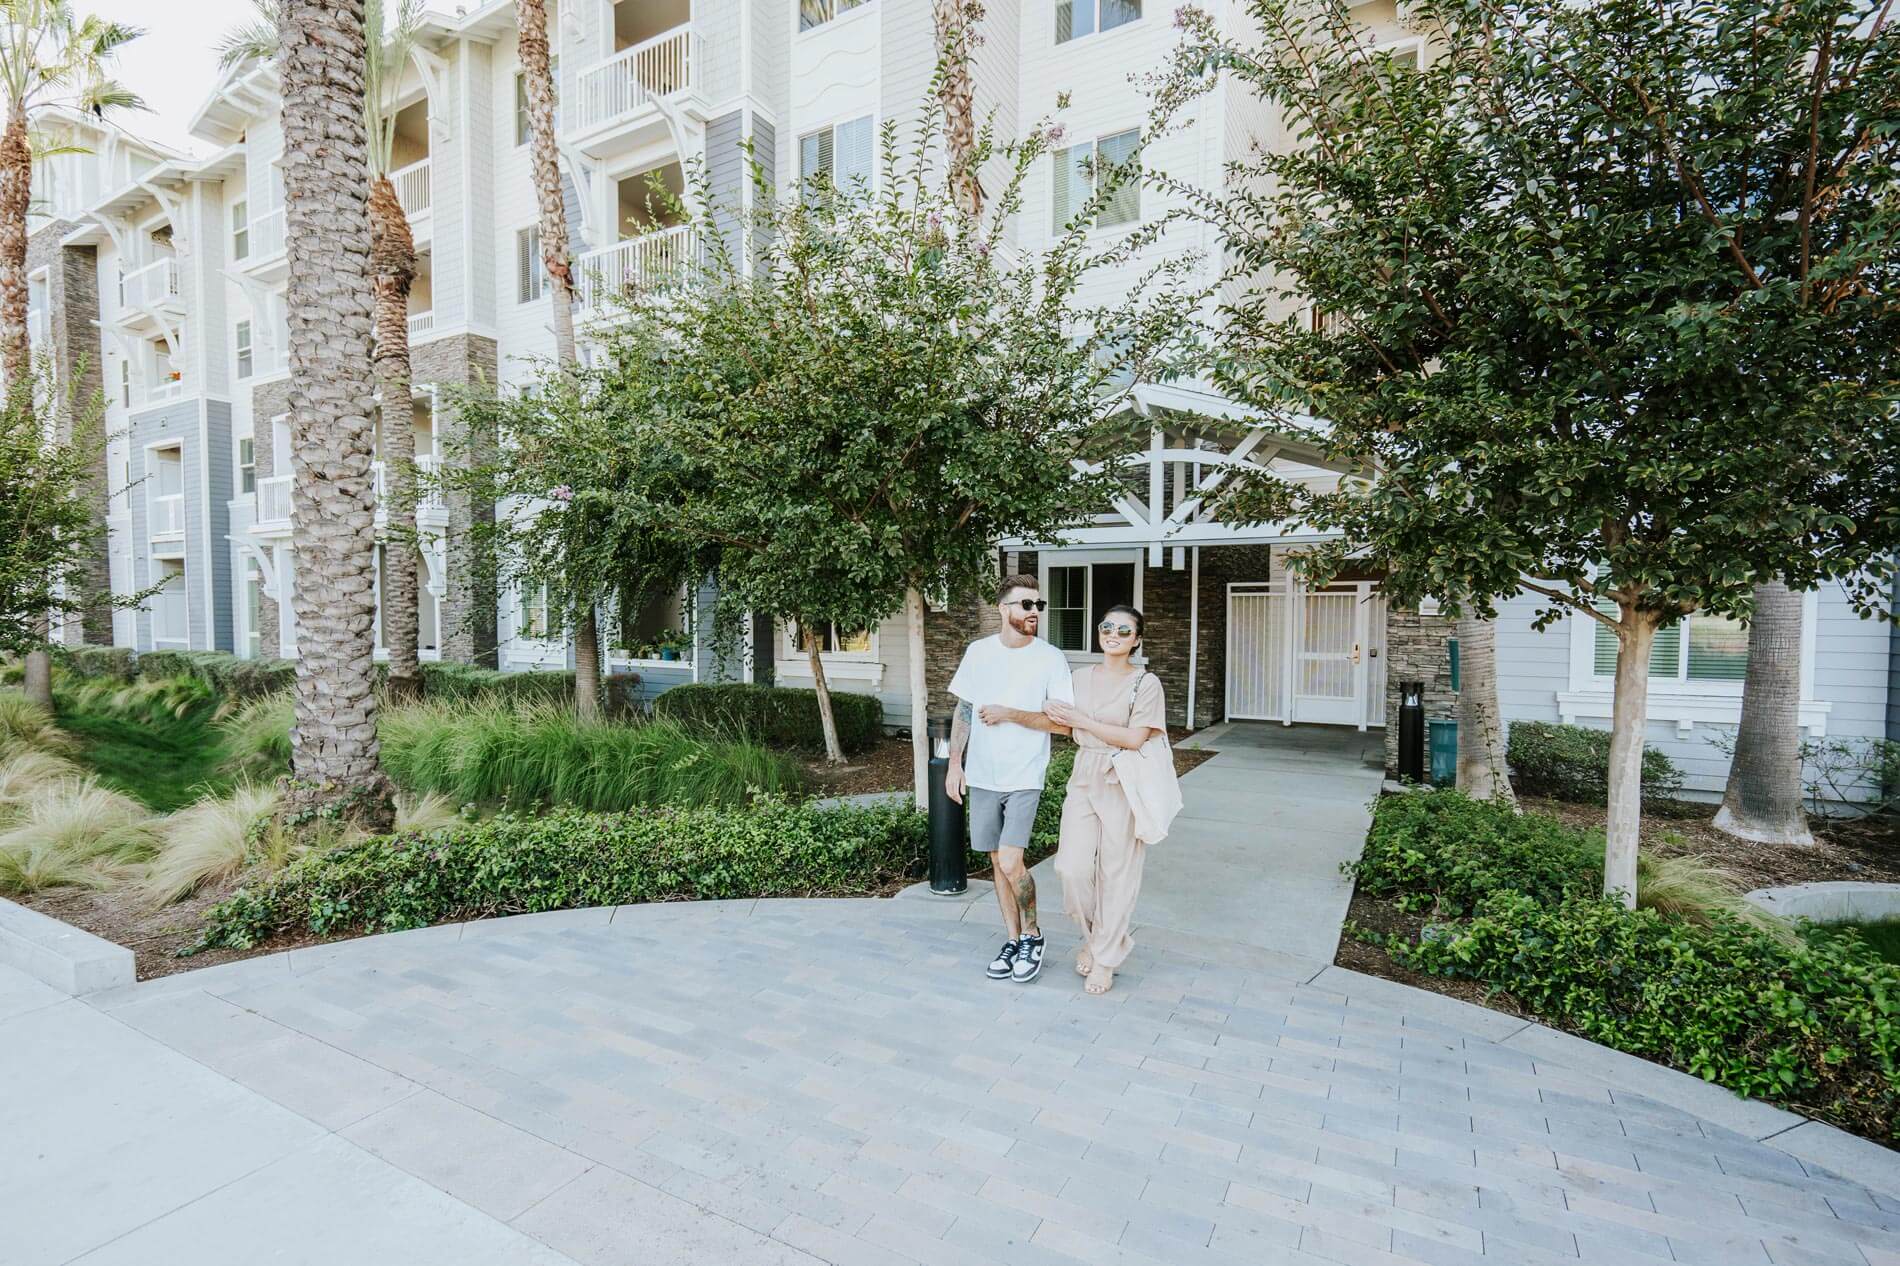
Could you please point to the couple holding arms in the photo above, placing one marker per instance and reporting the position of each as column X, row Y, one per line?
column 1014, row 690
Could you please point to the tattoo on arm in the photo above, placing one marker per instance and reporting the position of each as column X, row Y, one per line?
column 1026, row 901
column 960, row 729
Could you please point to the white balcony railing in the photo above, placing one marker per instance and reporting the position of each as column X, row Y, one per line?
column 166, row 388
column 152, row 285
column 273, row 499
column 634, row 76
column 267, row 237
column 168, row 516
column 412, row 188
column 420, row 323
column 429, row 496
column 647, row 262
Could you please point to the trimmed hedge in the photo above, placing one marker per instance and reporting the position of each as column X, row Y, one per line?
column 517, row 865
column 1813, row 1025
column 775, row 715
column 85, row 663
column 464, row 681
column 1572, row 762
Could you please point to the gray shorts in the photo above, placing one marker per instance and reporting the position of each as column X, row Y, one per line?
column 1001, row 818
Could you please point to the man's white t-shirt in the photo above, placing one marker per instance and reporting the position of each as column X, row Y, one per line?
column 1009, row 757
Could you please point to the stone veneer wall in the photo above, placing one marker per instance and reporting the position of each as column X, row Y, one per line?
column 1415, row 651
column 468, row 607
column 72, row 310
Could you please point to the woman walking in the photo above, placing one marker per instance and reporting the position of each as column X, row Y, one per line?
column 1120, row 798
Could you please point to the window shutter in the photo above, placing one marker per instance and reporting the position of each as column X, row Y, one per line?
column 854, row 149
column 528, row 265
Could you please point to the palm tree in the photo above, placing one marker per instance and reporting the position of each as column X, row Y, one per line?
column 334, row 755
column 393, row 260
column 1762, row 801
column 47, row 58
column 1481, row 737
column 537, row 76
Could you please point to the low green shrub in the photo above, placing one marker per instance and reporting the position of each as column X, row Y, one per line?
column 1572, row 762
column 775, row 715
column 1812, row 1025
column 228, row 676
column 254, row 741
column 464, row 681
column 83, row 662
column 519, row 864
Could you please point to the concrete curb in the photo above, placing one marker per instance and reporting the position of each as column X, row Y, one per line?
column 72, row 961
column 1815, row 1143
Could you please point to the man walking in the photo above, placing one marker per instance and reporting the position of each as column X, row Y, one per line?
column 1001, row 687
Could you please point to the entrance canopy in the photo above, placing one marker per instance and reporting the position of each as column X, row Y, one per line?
column 1198, row 441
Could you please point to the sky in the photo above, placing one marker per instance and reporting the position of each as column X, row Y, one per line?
column 174, row 64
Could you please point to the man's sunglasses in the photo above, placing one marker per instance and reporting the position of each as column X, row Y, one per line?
column 1114, row 630
column 1030, row 604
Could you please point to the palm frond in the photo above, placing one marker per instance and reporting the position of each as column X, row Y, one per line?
column 384, row 63
column 255, row 40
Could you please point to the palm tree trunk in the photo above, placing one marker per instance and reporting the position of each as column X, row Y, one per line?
column 1635, row 638
column 956, row 36
column 1763, row 799
column 16, row 355
column 531, row 21
column 1481, row 769
column 334, row 758
column 834, row 751
column 393, row 254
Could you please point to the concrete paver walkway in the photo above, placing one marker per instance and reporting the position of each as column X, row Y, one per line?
column 811, row 1081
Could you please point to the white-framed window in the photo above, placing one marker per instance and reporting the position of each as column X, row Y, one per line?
column 247, row 466
column 253, row 609
column 815, row 13
column 524, row 128
column 859, row 644
column 1701, row 647
column 240, row 230
column 1075, row 171
column 1076, row 18
column 840, row 155
column 245, row 361
column 531, row 612
column 529, row 274
column 125, row 383
column 1079, row 589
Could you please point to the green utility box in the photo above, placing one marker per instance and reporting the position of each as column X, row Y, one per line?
column 1444, row 750
column 1451, row 646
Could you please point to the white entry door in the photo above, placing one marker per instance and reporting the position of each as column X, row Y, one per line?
column 1313, row 656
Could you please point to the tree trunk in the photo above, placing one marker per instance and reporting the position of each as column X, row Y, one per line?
column 16, row 196
column 393, row 253
column 919, row 699
column 956, row 38
column 1481, row 769
column 1763, row 799
column 38, row 683
column 334, row 754
column 587, row 665
column 531, row 19
column 1635, row 636
column 834, row 751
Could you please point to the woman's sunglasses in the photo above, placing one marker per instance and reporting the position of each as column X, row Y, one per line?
column 1114, row 630
column 1030, row 604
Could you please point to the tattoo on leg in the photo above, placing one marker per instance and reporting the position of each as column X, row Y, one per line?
column 1026, row 901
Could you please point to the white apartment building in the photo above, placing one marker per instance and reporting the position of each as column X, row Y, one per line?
column 186, row 260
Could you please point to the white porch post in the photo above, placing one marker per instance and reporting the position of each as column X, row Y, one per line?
column 1194, row 629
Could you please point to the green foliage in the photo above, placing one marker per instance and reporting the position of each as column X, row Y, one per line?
column 1047, row 831
column 462, row 681
column 1572, row 762
column 1806, row 1022
column 153, row 738
column 544, row 754
column 84, row 662
column 516, row 864
column 254, row 740
column 777, row 716
column 228, row 676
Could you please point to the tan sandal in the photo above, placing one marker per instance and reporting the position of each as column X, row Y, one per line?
column 1084, row 961
column 1101, row 980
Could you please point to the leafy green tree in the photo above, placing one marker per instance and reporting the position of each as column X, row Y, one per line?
column 862, row 395
column 1605, row 301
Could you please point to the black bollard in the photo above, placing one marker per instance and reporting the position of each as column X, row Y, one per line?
column 947, row 877
column 1412, row 731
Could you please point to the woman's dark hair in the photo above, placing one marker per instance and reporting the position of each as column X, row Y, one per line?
column 1129, row 611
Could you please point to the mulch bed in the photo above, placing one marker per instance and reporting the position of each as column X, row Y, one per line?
column 155, row 937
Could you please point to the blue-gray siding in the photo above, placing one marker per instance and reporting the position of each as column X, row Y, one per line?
column 216, row 552
column 726, row 171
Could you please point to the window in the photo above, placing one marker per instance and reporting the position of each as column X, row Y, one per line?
column 813, row 13
column 840, row 155
column 244, row 362
column 240, row 230
column 1076, row 18
column 253, row 608
column 529, row 274
column 1076, row 170
column 1079, row 595
column 524, row 128
column 247, row 467
column 531, row 617
column 1701, row 647
column 125, row 383
column 836, row 642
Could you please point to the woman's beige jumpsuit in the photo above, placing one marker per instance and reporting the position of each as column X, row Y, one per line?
column 1098, row 858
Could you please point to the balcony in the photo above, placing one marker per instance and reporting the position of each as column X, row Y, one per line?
column 273, row 507
column 152, row 289
column 413, row 192
column 431, row 510
column 267, row 260
column 165, row 521
column 166, row 388
column 421, row 323
column 616, row 112
column 651, row 261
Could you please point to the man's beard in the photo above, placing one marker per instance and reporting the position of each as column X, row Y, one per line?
column 1024, row 622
